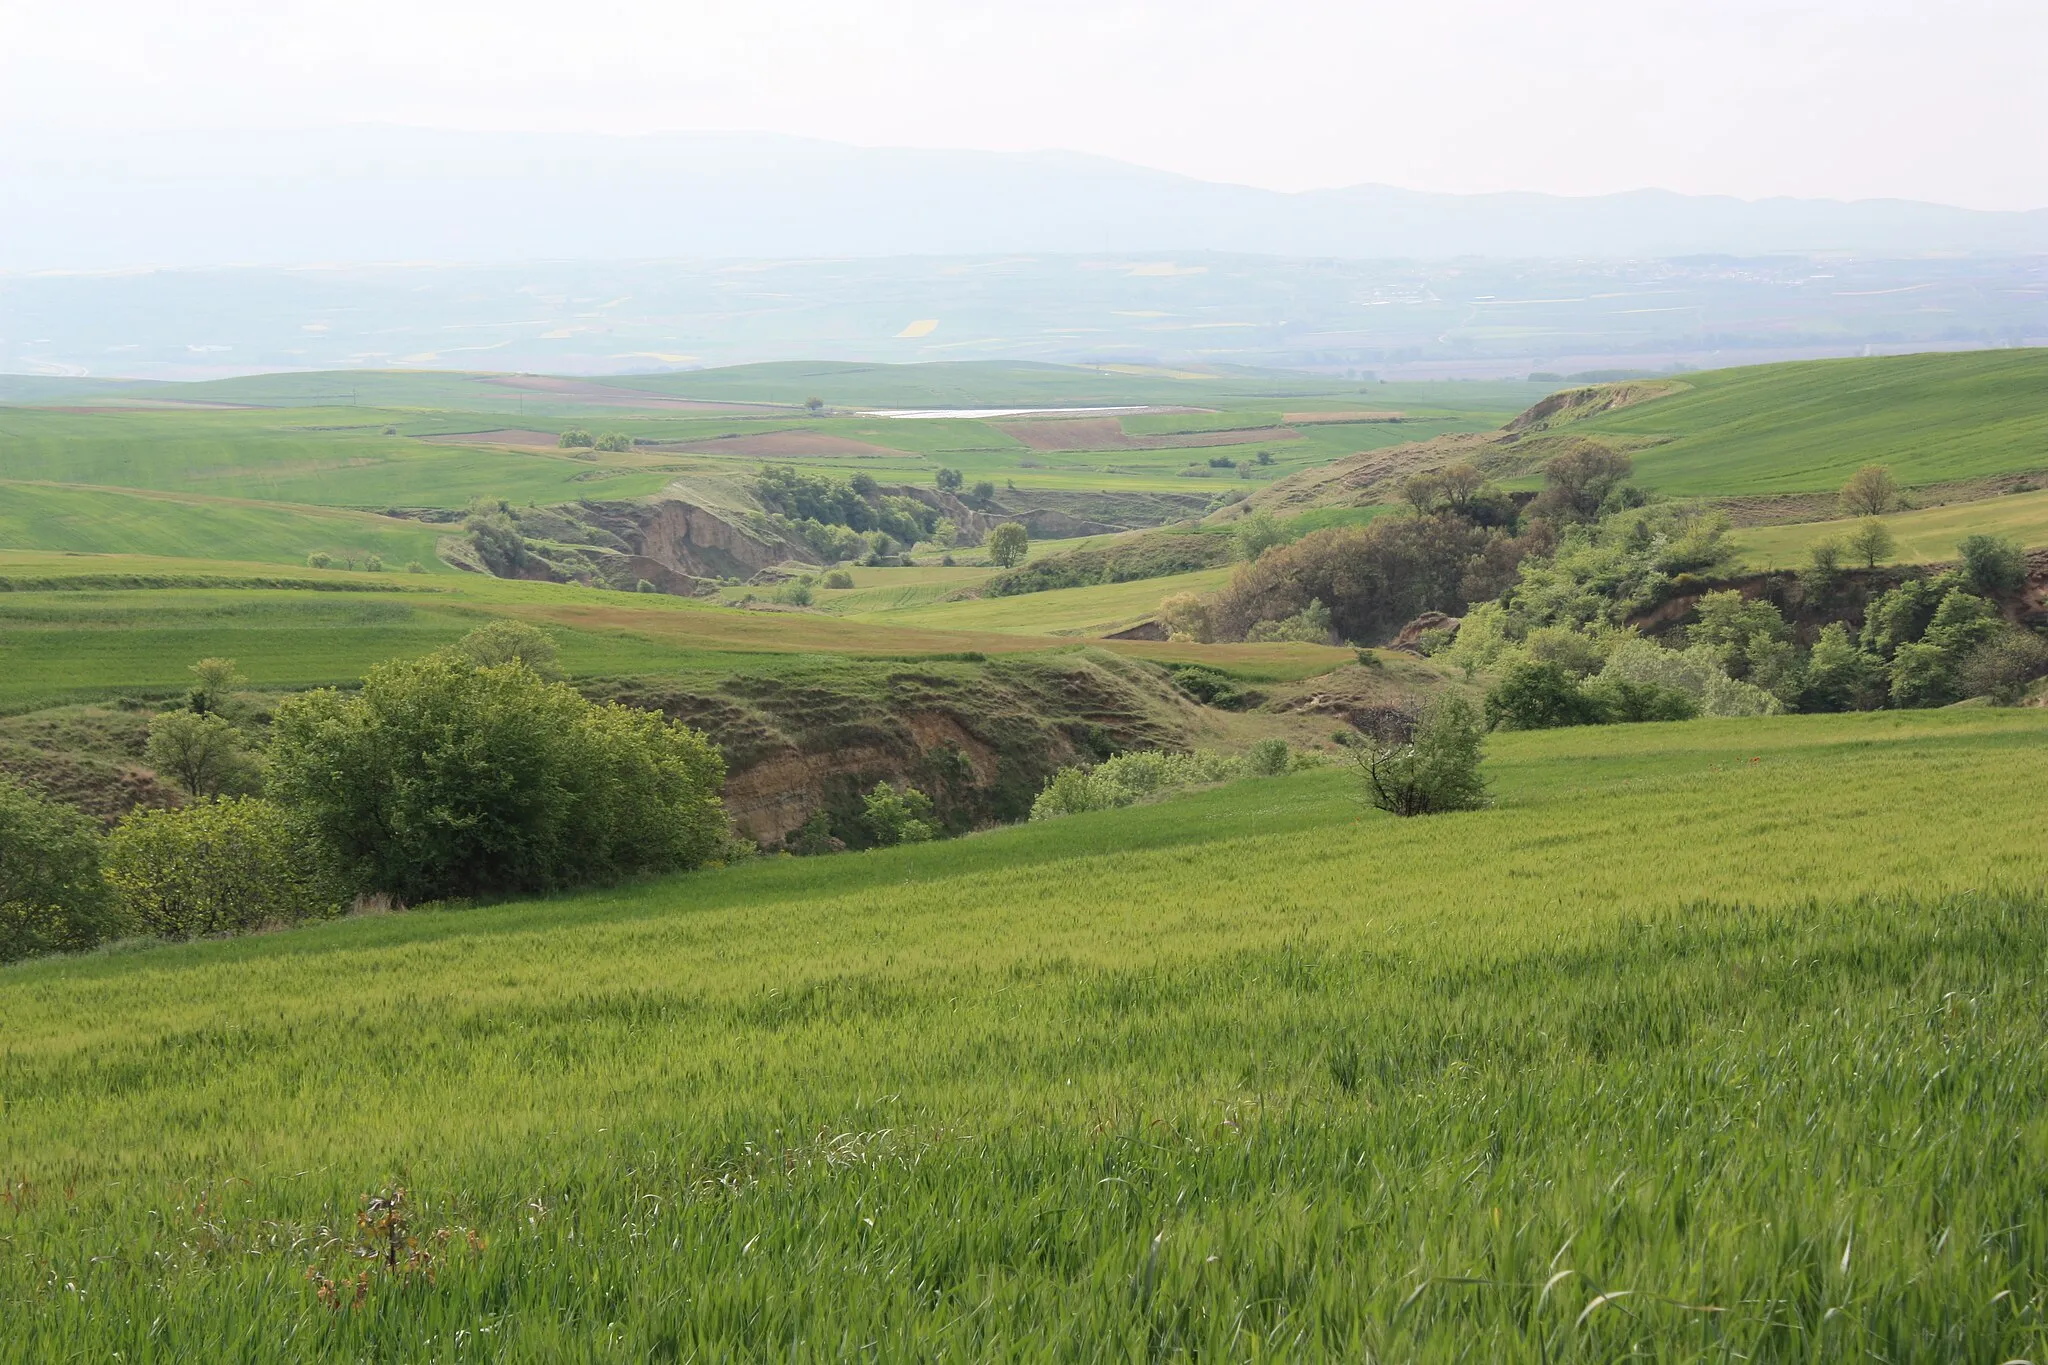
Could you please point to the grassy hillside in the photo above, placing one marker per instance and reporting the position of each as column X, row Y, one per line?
column 1708, row 1041
column 1806, row 427
column 323, row 456
column 1011, row 384
column 110, row 521
column 85, row 626
column 1094, row 610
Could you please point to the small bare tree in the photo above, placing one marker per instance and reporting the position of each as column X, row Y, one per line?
column 1870, row 492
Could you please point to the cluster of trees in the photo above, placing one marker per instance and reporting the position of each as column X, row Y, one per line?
column 1461, row 541
column 471, row 771
column 348, row 559
column 1543, row 696
column 836, row 517
column 576, row 438
column 1557, row 638
column 496, row 538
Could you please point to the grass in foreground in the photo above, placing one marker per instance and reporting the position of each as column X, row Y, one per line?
column 1710, row 1041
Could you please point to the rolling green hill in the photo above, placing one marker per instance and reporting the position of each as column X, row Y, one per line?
column 78, row 627
column 1708, row 1041
column 337, row 457
column 111, row 521
column 1806, row 427
column 1011, row 384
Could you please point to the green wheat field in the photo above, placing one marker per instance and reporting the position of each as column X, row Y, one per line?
column 1716, row 1041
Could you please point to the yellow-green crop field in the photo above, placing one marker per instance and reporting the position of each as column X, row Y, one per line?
column 1719, row 1040
column 79, row 627
column 1925, row 535
column 1091, row 611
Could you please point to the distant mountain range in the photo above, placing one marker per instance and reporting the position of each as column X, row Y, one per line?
column 376, row 193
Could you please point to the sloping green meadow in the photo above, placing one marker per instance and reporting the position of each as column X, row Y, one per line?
column 1721, row 1040
column 1808, row 426
column 106, row 520
column 1924, row 534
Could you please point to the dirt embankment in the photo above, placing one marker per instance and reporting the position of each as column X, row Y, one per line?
column 90, row 757
column 980, row 737
column 685, row 540
column 1574, row 405
column 1520, row 447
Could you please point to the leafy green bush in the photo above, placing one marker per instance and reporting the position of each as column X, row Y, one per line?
column 1993, row 566
column 1257, row 534
column 1008, row 544
column 1840, row 676
column 1929, row 671
column 440, row 778
column 1210, row 686
column 1751, row 641
column 615, row 442
column 2001, row 667
column 1697, row 672
column 1925, row 674
column 795, row 593
column 1622, row 702
column 505, row 641
column 214, row 867
column 1539, row 696
column 838, row 578
column 1311, row 625
column 1901, row 615
column 52, row 898
column 201, row 753
column 576, row 438
column 898, row 817
column 1129, row 778
column 1433, row 770
column 1267, row 758
column 813, row 837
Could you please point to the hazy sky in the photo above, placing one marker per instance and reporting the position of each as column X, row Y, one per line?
column 1844, row 98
